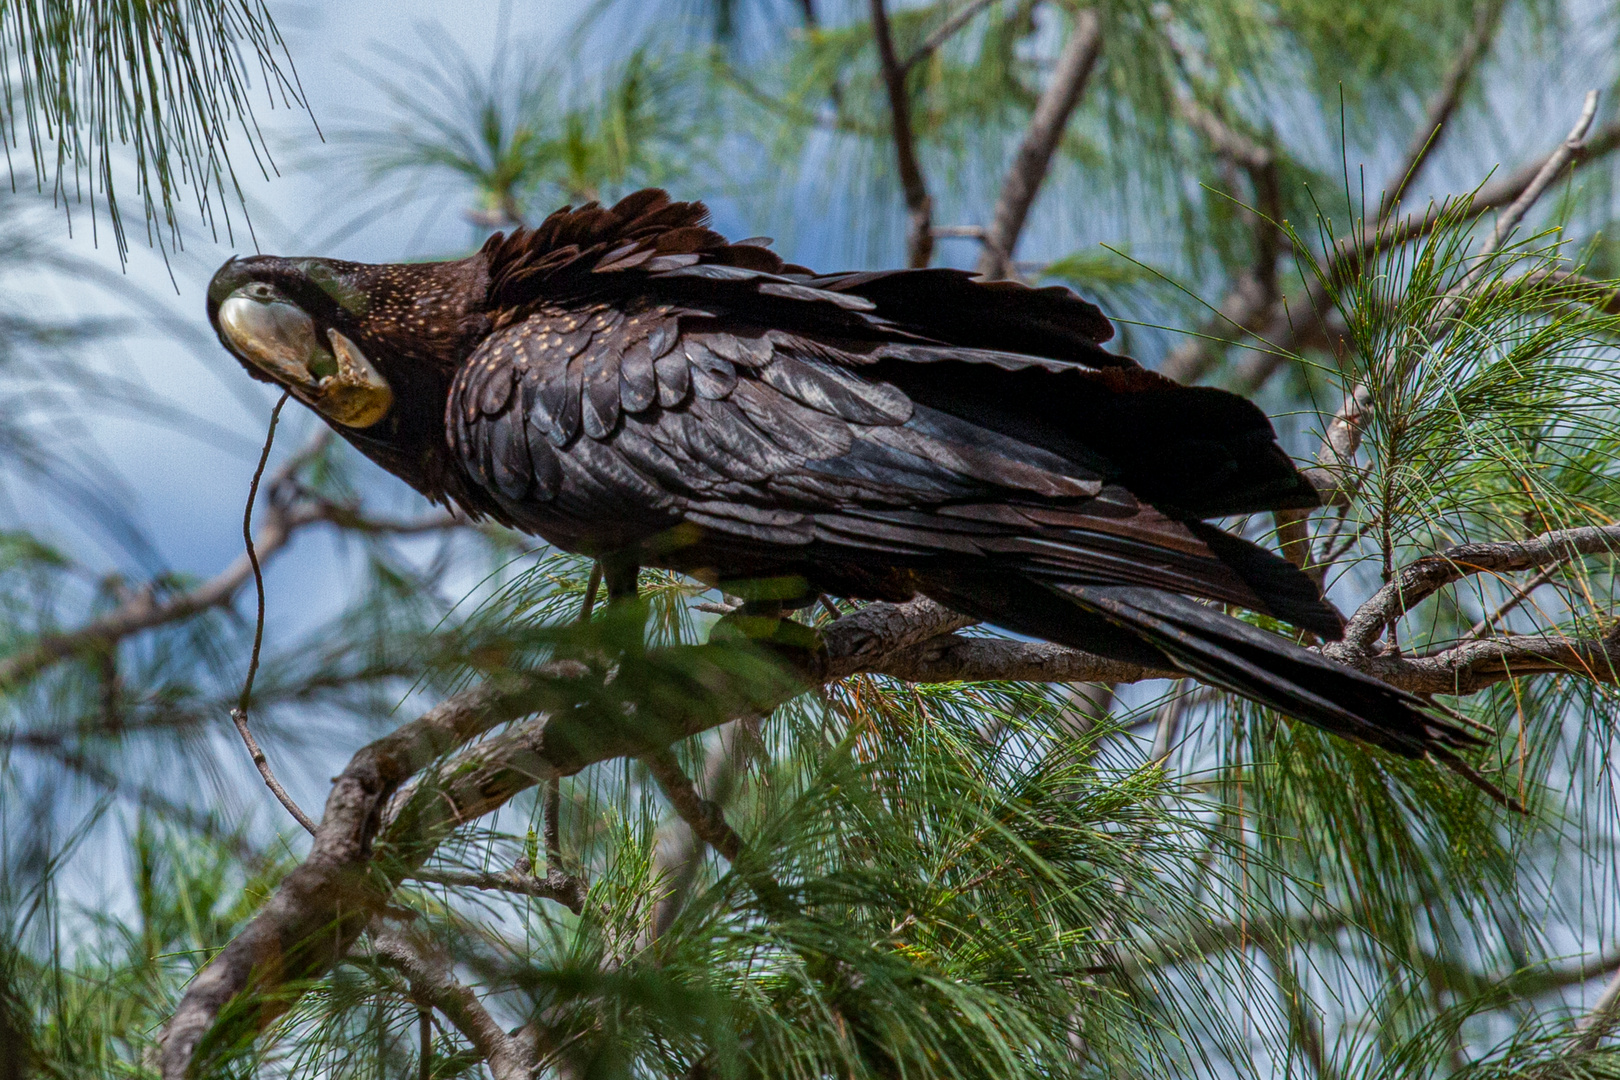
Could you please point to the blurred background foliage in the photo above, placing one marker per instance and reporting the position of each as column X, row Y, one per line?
column 959, row 880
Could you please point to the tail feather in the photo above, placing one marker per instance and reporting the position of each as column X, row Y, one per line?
column 1167, row 631
column 1248, row 661
column 1289, row 593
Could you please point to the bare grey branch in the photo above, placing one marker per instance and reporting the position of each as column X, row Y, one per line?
column 422, row 962
column 1034, row 158
column 1419, row 580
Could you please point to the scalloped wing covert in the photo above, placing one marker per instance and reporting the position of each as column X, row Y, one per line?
column 601, row 427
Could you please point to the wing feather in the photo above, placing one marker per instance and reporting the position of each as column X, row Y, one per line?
column 712, row 375
column 674, row 378
column 623, row 421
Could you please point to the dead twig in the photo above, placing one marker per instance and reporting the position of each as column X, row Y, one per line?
column 679, row 867
column 1572, row 145
column 239, row 714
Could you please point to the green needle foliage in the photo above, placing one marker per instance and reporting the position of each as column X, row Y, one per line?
column 149, row 92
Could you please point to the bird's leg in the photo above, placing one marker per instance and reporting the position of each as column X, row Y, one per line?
column 620, row 572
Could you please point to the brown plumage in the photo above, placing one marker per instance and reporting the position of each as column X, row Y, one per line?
column 624, row 383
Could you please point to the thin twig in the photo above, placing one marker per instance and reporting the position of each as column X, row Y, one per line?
column 678, row 864
column 1168, row 728
column 1297, row 1005
column 239, row 714
column 919, row 235
column 1343, row 435
column 944, row 32
column 1520, row 595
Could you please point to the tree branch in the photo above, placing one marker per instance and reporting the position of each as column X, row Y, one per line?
column 919, row 235
column 512, row 881
column 1444, row 102
column 952, row 658
column 1590, row 1029
column 376, row 832
column 1247, row 310
column 1419, row 580
column 679, row 868
column 1254, row 292
column 1351, row 253
column 708, row 822
column 430, row 974
column 320, row 908
column 1520, row 595
column 1034, row 158
column 1572, row 145
column 1464, row 669
column 944, row 32
column 1475, row 665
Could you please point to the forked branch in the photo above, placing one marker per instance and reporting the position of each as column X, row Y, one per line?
column 1417, row 581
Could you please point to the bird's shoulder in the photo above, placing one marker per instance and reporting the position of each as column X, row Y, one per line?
column 650, row 245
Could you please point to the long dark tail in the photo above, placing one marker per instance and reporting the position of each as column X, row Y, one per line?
column 1166, row 631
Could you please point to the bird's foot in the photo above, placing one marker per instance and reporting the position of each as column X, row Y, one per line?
column 798, row 646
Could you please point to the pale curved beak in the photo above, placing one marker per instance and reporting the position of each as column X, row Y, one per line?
column 276, row 337
column 279, row 339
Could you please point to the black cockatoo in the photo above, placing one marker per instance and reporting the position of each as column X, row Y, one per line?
column 624, row 383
